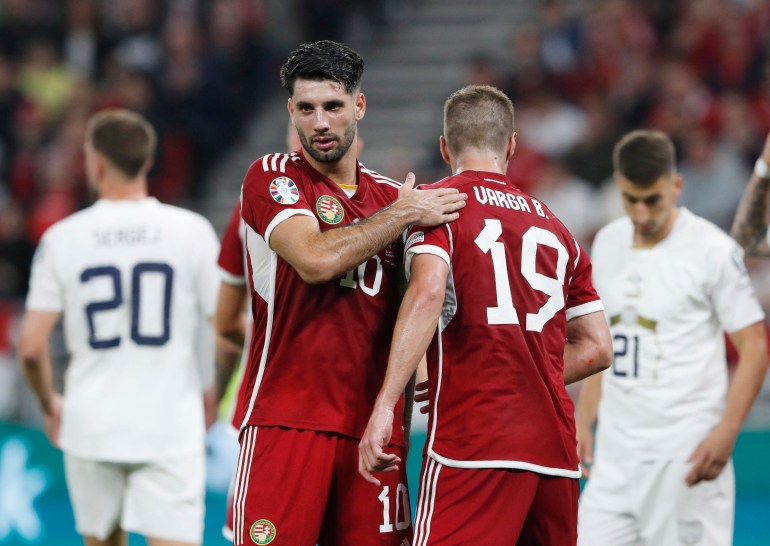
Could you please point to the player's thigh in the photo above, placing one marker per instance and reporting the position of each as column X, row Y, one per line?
column 362, row 513
column 282, row 485
column 552, row 517
column 484, row 507
column 165, row 499
column 701, row 514
column 96, row 492
column 607, row 511
column 597, row 526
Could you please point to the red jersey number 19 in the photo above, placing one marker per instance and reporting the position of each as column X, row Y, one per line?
column 505, row 312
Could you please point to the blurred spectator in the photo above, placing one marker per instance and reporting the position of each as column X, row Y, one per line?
column 570, row 198
column 714, row 177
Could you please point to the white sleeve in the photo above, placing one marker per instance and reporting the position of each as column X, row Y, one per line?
column 733, row 296
column 45, row 290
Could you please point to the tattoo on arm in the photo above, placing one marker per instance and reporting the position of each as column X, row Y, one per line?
column 750, row 229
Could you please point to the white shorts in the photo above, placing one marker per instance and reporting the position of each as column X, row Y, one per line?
column 633, row 503
column 160, row 499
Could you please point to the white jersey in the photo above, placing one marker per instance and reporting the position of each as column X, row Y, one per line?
column 668, row 308
column 134, row 281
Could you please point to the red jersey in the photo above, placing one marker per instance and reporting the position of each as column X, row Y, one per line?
column 496, row 363
column 232, row 253
column 232, row 267
column 319, row 352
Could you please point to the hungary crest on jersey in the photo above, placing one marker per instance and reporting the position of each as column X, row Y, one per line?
column 262, row 532
column 329, row 209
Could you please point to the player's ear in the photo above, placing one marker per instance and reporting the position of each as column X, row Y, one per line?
column 360, row 106
column 510, row 147
column 444, row 150
column 290, row 107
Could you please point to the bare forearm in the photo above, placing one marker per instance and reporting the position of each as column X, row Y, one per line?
column 588, row 403
column 38, row 373
column 417, row 320
column 226, row 361
column 344, row 248
column 750, row 225
column 746, row 383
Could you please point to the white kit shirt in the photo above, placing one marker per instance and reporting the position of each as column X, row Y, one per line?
column 134, row 280
column 668, row 308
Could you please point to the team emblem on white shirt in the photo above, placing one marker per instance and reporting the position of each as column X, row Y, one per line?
column 329, row 209
column 284, row 191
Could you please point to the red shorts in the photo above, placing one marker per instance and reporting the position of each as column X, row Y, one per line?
column 493, row 506
column 302, row 488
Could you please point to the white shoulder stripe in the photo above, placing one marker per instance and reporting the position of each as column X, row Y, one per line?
column 381, row 179
column 275, row 162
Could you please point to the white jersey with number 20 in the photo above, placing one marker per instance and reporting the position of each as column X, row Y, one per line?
column 134, row 281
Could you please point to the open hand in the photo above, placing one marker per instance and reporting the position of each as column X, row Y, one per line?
column 431, row 207
column 711, row 456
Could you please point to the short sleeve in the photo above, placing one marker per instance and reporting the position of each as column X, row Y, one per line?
column 45, row 290
column 231, row 264
column 733, row 296
column 271, row 193
column 582, row 298
column 420, row 240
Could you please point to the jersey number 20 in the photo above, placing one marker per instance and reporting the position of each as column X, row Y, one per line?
column 113, row 273
column 505, row 312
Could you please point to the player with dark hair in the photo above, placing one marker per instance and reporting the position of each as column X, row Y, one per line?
column 672, row 284
column 323, row 252
column 502, row 300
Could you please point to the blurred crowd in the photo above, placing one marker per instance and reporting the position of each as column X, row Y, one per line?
column 588, row 72
column 580, row 76
column 197, row 69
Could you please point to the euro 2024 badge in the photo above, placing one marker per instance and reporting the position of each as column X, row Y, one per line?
column 262, row 531
column 329, row 209
column 284, row 191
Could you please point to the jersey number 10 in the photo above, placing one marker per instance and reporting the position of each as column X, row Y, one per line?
column 113, row 273
column 505, row 312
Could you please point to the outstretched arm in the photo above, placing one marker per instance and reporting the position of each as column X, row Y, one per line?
column 750, row 224
column 416, row 324
column 319, row 256
column 712, row 454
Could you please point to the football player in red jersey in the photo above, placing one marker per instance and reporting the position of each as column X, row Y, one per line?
column 323, row 251
column 503, row 302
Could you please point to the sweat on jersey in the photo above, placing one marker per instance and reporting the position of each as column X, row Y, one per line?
column 668, row 308
column 134, row 280
column 319, row 352
column 496, row 363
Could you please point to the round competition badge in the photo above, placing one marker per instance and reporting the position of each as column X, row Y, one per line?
column 329, row 209
column 284, row 191
column 262, row 532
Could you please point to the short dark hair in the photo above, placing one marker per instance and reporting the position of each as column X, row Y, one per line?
column 124, row 137
column 643, row 156
column 323, row 60
column 478, row 116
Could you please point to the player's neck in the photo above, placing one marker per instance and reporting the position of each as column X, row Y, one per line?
column 343, row 171
column 120, row 190
column 478, row 162
column 649, row 241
